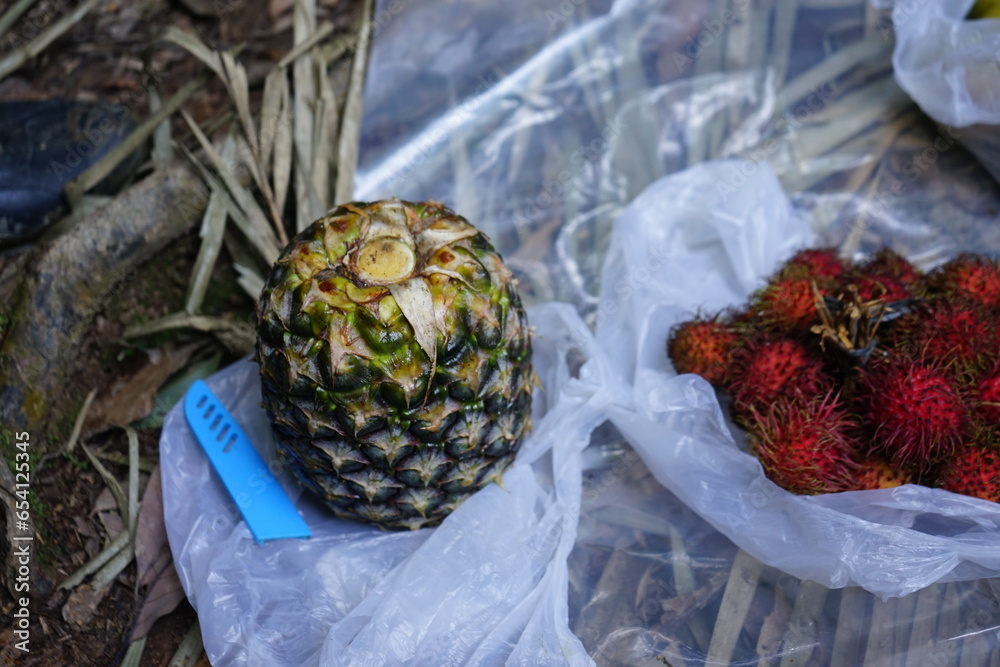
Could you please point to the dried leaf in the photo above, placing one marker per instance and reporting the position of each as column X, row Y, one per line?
column 151, row 532
column 270, row 110
column 350, row 133
column 164, row 596
column 309, row 42
column 133, row 396
column 81, row 605
column 303, row 24
column 283, row 146
column 193, row 45
column 262, row 237
column 414, row 298
column 213, row 227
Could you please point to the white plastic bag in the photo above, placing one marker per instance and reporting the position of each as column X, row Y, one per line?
column 489, row 583
column 687, row 244
column 948, row 65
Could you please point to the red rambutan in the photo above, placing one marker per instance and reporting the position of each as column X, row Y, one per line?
column 768, row 367
column 986, row 402
column 916, row 410
column 969, row 275
column 974, row 470
column 813, row 263
column 877, row 473
column 958, row 332
column 787, row 304
column 887, row 263
column 805, row 446
column 704, row 347
column 870, row 287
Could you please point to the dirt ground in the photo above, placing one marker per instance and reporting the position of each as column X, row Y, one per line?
column 102, row 57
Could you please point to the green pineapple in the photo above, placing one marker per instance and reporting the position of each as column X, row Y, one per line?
column 395, row 361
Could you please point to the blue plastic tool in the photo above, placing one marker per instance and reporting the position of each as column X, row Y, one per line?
column 265, row 506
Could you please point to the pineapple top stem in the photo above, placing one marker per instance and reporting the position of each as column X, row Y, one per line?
column 386, row 254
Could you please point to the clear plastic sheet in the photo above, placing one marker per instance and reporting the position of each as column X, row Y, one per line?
column 542, row 124
column 949, row 66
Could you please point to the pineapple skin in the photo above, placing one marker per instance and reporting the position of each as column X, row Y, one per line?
column 369, row 422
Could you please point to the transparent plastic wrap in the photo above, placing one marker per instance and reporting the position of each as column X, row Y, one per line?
column 542, row 123
column 948, row 65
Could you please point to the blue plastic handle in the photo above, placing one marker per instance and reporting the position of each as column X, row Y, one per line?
column 265, row 506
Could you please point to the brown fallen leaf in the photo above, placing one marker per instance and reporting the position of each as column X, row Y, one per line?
column 154, row 562
column 106, row 509
column 82, row 603
column 163, row 597
column 151, row 546
column 134, row 396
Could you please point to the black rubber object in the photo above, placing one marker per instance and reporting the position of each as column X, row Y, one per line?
column 44, row 145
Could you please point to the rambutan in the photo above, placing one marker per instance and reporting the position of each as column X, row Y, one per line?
column 787, row 304
column 813, row 263
column 877, row 473
column 870, row 287
column 887, row 263
column 805, row 446
column 986, row 401
column 954, row 331
column 916, row 410
column 702, row 346
column 968, row 275
column 768, row 367
column 974, row 470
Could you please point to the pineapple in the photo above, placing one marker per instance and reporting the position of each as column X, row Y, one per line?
column 395, row 361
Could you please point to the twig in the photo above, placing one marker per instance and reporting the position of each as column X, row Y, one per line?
column 15, row 12
column 740, row 589
column 180, row 321
column 81, row 417
column 14, row 61
column 190, row 649
column 109, row 479
column 109, row 552
column 300, row 48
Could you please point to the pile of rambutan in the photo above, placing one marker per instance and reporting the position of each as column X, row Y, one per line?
column 855, row 376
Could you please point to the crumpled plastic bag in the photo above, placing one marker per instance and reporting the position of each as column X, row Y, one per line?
column 490, row 581
column 948, row 65
column 687, row 244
